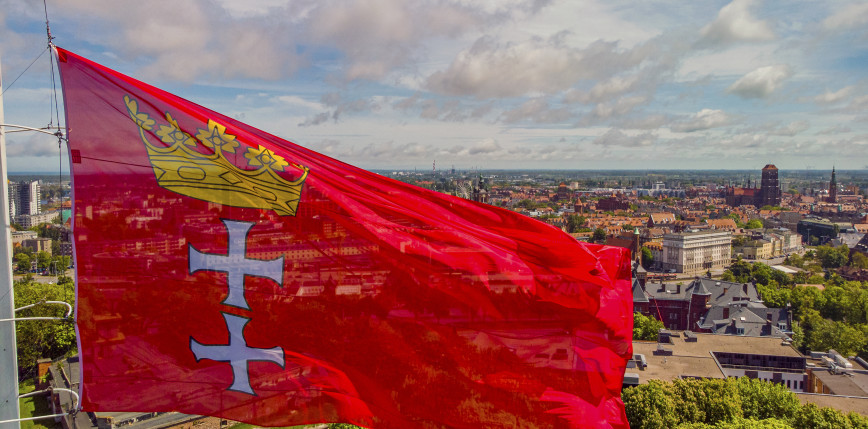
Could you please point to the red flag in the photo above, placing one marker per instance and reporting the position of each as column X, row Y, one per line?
column 224, row 271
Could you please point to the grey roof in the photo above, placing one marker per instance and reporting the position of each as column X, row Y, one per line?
column 745, row 321
column 851, row 239
column 726, row 301
column 720, row 292
column 638, row 292
column 668, row 291
column 700, row 288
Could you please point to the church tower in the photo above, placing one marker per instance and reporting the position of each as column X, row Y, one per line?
column 770, row 187
column 833, row 188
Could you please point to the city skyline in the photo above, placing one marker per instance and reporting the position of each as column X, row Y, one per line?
column 386, row 84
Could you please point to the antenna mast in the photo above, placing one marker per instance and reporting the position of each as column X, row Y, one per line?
column 9, row 409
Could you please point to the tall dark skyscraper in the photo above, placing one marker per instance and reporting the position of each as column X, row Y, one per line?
column 770, row 187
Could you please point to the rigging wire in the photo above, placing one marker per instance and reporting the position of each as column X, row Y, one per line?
column 22, row 73
column 56, row 107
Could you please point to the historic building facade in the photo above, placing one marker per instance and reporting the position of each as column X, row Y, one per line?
column 696, row 252
column 768, row 194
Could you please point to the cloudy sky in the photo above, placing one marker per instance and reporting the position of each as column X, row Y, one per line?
column 397, row 84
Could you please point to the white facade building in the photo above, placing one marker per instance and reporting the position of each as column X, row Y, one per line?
column 696, row 252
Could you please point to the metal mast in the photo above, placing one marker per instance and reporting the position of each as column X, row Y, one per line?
column 8, row 353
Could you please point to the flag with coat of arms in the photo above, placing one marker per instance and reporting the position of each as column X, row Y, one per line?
column 224, row 271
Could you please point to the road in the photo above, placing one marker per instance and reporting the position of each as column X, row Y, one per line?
column 38, row 278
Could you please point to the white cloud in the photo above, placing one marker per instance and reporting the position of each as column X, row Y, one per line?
column 745, row 140
column 615, row 137
column 536, row 110
column 186, row 40
column 604, row 90
column 378, row 36
column 735, row 23
column 649, row 122
column 830, row 97
column 837, row 129
column 492, row 69
column 618, row 107
column 702, row 120
column 36, row 145
column 485, row 146
column 851, row 16
column 791, row 129
column 761, row 82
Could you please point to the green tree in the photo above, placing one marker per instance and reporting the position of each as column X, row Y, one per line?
column 22, row 262
column 38, row 339
column 647, row 257
column 831, row 257
column 795, row 260
column 731, row 403
column 754, row 224
column 741, row 270
column 43, row 260
column 761, row 273
column 599, row 235
column 860, row 261
column 575, row 222
column 737, row 219
column 812, row 417
column 650, row 406
column 645, row 328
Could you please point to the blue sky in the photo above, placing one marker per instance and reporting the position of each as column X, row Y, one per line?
column 542, row 84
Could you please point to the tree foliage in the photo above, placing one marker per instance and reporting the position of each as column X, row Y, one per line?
column 646, row 327
column 859, row 261
column 575, row 222
column 730, row 403
column 38, row 339
column 647, row 257
column 832, row 257
column 754, row 224
column 599, row 235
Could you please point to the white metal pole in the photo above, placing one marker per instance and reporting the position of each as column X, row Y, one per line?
column 8, row 352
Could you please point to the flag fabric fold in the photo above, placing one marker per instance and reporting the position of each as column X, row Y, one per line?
column 224, row 271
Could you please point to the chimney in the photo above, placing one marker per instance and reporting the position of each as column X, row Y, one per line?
column 726, row 312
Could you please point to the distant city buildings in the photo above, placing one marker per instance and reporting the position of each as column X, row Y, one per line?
column 769, row 193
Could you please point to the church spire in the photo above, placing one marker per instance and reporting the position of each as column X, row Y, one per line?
column 833, row 188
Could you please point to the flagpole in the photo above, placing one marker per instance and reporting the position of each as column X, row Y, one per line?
column 8, row 353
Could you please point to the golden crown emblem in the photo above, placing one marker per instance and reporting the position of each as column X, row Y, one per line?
column 211, row 177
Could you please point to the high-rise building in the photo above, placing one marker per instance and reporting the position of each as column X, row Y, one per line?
column 24, row 198
column 833, row 188
column 770, row 188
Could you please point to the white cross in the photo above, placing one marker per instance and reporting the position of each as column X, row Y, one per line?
column 235, row 263
column 237, row 353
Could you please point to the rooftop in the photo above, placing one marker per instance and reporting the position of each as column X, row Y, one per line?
column 694, row 359
column 842, row 403
column 846, row 383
